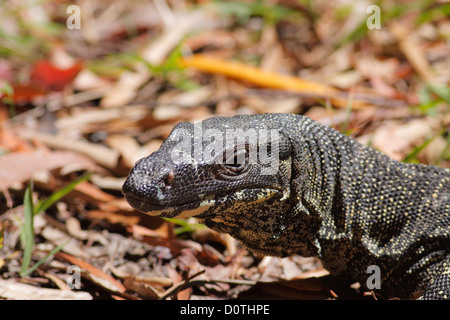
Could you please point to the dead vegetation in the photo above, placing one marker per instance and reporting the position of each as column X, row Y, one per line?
column 80, row 106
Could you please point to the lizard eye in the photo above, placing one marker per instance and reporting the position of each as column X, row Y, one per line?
column 235, row 164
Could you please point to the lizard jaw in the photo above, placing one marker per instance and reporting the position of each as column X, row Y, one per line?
column 198, row 207
column 178, row 211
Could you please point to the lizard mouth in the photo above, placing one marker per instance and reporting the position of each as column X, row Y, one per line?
column 179, row 210
column 198, row 207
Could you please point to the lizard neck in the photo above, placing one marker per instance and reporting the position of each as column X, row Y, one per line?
column 316, row 184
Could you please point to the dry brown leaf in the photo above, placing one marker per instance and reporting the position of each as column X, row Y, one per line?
column 271, row 49
column 190, row 98
column 86, row 118
column 92, row 193
column 90, row 269
column 61, row 284
column 4, row 114
column 175, row 245
column 155, row 281
column 128, row 148
column 263, row 104
column 290, row 269
column 176, row 279
column 163, row 231
column 12, row 289
column 145, row 290
column 87, row 80
column 396, row 140
column 73, row 227
column 213, row 38
column 156, row 52
column 124, row 218
column 100, row 154
column 118, row 204
column 58, row 237
column 11, row 142
column 371, row 67
column 19, row 167
column 317, row 273
column 109, row 183
column 433, row 151
column 345, row 79
column 167, row 112
column 412, row 50
column 125, row 89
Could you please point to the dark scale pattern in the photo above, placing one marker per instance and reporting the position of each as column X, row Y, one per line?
column 331, row 197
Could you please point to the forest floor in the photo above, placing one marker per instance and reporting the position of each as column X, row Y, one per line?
column 88, row 89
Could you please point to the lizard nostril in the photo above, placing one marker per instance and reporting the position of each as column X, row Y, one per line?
column 168, row 179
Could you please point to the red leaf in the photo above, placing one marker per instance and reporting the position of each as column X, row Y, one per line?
column 53, row 78
column 26, row 93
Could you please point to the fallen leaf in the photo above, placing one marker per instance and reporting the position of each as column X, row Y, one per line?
column 10, row 141
column 157, row 51
column 128, row 148
column 145, row 290
column 396, row 139
column 11, row 289
column 51, row 77
column 163, row 231
column 412, row 50
column 113, row 217
column 125, row 89
column 19, row 167
column 104, row 156
column 255, row 75
column 26, row 93
column 266, row 79
column 177, row 280
column 90, row 269
column 95, row 118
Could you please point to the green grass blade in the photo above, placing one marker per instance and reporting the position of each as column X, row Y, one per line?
column 412, row 156
column 184, row 226
column 47, row 203
column 30, row 210
column 48, row 255
column 2, row 233
column 442, row 92
column 348, row 113
column 27, row 233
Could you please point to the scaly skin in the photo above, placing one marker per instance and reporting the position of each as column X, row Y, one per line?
column 329, row 197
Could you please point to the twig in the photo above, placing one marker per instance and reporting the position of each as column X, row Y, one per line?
column 180, row 286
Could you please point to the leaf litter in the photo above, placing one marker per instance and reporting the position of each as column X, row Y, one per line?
column 96, row 99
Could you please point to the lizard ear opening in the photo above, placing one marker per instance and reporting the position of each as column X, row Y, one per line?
column 282, row 144
column 273, row 152
column 285, row 147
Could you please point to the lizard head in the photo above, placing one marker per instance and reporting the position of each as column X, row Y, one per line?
column 201, row 166
column 233, row 174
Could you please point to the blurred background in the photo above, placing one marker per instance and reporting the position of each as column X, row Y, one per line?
column 89, row 87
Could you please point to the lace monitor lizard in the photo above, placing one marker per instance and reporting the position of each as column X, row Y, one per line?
column 284, row 184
